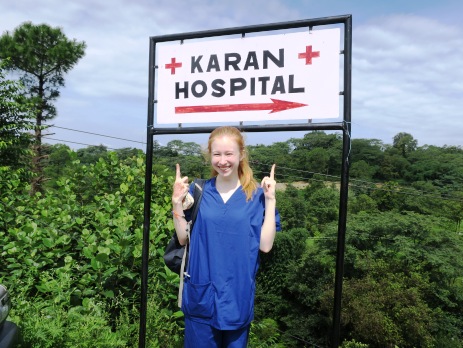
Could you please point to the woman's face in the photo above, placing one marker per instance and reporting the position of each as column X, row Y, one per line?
column 225, row 156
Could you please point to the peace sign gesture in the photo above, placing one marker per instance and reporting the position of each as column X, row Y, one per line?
column 269, row 184
column 180, row 189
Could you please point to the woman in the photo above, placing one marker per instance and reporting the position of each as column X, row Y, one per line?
column 236, row 219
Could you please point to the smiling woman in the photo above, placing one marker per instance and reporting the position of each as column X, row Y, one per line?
column 236, row 219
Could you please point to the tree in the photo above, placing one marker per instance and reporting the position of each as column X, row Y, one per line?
column 14, row 123
column 188, row 154
column 394, row 165
column 293, row 206
column 322, row 203
column 369, row 150
column 262, row 157
column 59, row 164
column 363, row 202
column 41, row 55
column 405, row 143
column 362, row 170
column 178, row 147
column 388, row 311
column 92, row 154
column 402, row 277
column 318, row 152
column 316, row 139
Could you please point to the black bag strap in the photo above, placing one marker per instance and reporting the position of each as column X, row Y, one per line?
column 197, row 195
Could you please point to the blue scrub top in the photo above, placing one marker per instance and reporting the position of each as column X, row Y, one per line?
column 219, row 286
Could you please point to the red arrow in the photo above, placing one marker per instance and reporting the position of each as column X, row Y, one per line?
column 276, row 106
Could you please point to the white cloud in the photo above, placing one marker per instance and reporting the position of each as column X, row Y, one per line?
column 407, row 72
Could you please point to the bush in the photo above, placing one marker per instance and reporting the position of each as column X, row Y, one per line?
column 72, row 257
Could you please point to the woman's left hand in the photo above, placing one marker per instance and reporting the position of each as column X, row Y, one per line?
column 269, row 184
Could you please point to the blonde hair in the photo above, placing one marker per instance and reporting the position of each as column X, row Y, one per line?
column 245, row 174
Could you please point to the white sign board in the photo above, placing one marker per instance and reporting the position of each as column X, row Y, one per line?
column 274, row 77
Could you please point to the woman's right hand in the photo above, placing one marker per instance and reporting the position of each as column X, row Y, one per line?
column 181, row 187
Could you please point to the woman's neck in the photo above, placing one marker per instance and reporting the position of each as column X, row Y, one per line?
column 227, row 184
column 226, row 187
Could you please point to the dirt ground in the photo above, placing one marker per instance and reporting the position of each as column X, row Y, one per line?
column 298, row 185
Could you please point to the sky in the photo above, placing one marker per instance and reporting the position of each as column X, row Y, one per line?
column 407, row 63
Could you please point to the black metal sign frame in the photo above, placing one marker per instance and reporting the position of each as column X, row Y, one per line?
column 344, row 126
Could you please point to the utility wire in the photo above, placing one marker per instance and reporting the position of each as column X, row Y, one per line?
column 73, row 142
column 100, row 135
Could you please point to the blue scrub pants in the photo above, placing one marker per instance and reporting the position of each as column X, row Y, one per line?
column 198, row 335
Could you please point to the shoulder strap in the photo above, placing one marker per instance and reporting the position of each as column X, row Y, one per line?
column 197, row 195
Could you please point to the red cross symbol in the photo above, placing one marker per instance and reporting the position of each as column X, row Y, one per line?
column 309, row 54
column 173, row 65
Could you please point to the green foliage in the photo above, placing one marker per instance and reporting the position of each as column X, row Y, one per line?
column 189, row 155
column 362, row 170
column 289, row 287
column 389, row 310
column 264, row 334
column 92, row 154
column 402, row 283
column 322, row 204
column 317, row 152
column 353, row 344
column 72, row 255
column 405, row 143
column 371, row 151
column 45, row 324
column 14, row 124
column 76, row 252
column 401, row 272
column 261, row 158
column 60, row 160
column 363, row 203
column 164, row 322
column 293, row 207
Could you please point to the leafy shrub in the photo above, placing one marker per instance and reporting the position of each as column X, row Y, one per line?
column 72, row 256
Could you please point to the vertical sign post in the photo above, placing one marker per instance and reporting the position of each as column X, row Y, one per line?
column 336, row 339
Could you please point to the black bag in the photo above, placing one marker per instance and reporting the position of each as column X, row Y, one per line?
column 173, row 254
column 9, row 331
column 5, row 304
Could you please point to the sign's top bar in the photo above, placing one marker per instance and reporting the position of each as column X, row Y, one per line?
column 252, row 128
column 253, row 28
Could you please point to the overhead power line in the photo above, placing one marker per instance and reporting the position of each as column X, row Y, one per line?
column 74, row 142
column 100, row 135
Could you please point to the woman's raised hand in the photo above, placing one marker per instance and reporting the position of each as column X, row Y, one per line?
column 269, row 184
column 180, row 187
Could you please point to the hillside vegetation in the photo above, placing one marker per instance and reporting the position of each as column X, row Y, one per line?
column 71, row 255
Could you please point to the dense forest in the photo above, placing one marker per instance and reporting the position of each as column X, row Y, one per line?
column 71, row 253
